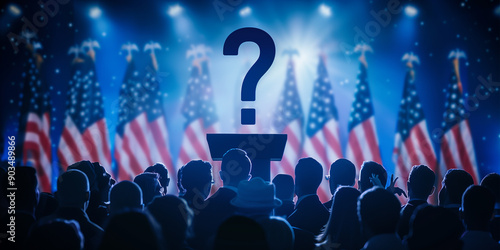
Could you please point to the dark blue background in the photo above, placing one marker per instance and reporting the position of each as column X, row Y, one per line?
column 439, row 27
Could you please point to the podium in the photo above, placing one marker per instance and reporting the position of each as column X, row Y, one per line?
column 261, row 149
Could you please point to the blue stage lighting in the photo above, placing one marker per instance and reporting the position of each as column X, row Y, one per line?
column 246, row 11
column 95, row 12
column 174, row 10
column 411, row 11
column 325, row 10
column 14, row 9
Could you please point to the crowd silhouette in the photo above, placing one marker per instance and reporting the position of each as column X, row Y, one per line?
column 90, row 211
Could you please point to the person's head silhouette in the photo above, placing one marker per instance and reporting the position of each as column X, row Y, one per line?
column 378, row 212
column 150, row 186
column 239, row 232
column 370, row 169
column 279, row 233
column 73, row 189
column 308, row 176
column 56, row 234
column 343, row 226
column 434, row 228
column 492, row 182
column 132, row 230
column 175, row 218
column 284, row 187
column 454, row 184
column 162, row 172
column 235, row 167
column 27, row 194
column 125, row 195
column 104, row 181
column 342, row 173
column 421, row 182
column 478, row 204
column 196, row 179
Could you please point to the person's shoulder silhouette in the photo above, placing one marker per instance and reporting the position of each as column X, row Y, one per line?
column 420, row 185
column 196, row 180
column 57, row 234
column 309, row 214
column 175, row 218
column 434, row 228
column 73, row 196
column 235, row 167
column 378, row 211
column 492, row 182
column 134, row 230
column 240, row 232
column 478, row 204
column 454, row 184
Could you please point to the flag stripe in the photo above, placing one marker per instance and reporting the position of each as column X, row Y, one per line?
column 369, row 130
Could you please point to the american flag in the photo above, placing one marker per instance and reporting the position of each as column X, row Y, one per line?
column 35, row 122
column 289, row 120
column 198, row 108
column 363, row 142
column 142, row 136
column 322, row 140
column 457, row 148
column 412, row 145
column 85, row 133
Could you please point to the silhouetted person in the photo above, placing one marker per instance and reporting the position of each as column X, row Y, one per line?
column 57, row 234
column 369, row 170
column 73, row 195
column 342, row 173
column 150, row 186
column 378, row 212
column 420, row 186
column 175, row 218
column 454, row 184
column 132, row 230
column 99, row 184
column 285, row 191
column 477, row 208
column 125, row 195
column 47, row 204
column 235, row 167
column 256, row 198
column 434, row 228
column 196, row 179
column 279, row 233
column 239, row 232
column 309, row 214
column 492, row 182
column 343, row 230
column 181, row 189
column 23, row 202
column 162, row 172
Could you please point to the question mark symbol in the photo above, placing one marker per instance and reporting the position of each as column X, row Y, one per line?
column 258, row 69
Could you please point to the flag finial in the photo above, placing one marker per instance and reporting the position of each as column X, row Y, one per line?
column 362, row 48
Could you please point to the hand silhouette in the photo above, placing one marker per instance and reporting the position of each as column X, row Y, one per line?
column 395, row 190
